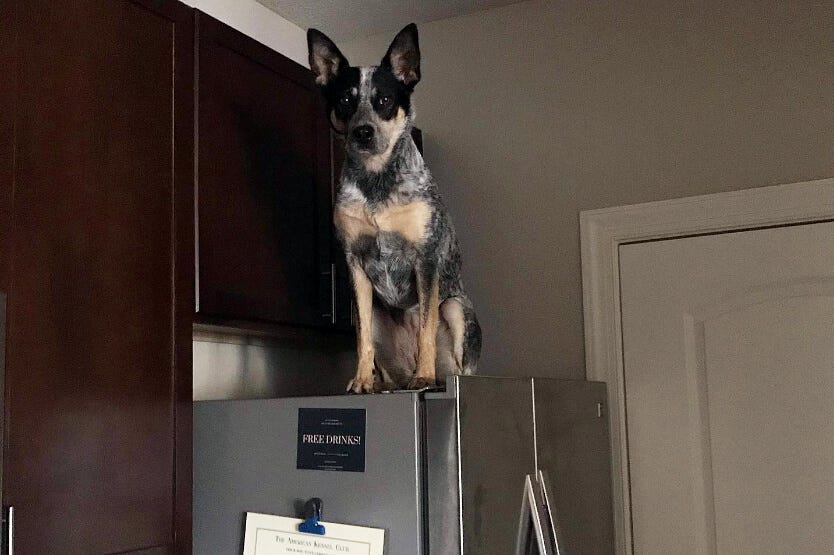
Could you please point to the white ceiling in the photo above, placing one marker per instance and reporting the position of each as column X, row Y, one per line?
column 348, row 19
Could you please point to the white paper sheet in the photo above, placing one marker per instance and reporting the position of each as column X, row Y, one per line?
column 278, row 535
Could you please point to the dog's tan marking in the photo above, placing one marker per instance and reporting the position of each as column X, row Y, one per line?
column 428, row 295
column 452, row 313
column 409, row 220
column 392, row 129
column 353, row 220
column 338, row 124
column 363, row 382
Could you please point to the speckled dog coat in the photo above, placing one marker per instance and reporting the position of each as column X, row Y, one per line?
column 415, row 322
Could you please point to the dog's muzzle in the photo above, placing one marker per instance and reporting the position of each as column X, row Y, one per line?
column 363, row 136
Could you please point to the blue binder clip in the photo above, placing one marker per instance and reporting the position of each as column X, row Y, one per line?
column 312, row 515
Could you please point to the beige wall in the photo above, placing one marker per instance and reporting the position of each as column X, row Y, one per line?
column 538, row 110
column 253, row 19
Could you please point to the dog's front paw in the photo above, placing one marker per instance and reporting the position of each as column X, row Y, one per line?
column 363, row 385
column 421, row 382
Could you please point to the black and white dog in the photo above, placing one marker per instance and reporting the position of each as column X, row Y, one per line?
column 415, row 322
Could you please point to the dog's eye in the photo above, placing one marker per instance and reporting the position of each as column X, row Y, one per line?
column 345, row 99
column 383, row 100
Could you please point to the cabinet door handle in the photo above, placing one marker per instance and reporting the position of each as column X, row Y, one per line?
column 10, row 530
column 332, row 273
column 332, row 293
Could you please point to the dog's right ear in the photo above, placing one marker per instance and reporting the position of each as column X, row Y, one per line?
column 326, row 60
column 403, row 56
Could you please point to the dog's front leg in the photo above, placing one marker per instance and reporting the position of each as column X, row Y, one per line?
column 363, row 381
column 428, row 297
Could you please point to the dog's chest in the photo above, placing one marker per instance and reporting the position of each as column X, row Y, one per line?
column 384, row 241
column 408, row 219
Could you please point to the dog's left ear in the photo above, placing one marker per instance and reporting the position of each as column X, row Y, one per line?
column 403, row 56
column 326, row 61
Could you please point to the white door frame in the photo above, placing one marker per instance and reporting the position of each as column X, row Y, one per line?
column 603, row 231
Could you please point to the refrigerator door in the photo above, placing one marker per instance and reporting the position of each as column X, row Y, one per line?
column 573, row 453
column 485, row 436
column 245, row 459
column 480, row 448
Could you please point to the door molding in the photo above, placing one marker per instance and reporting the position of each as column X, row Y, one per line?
column 603, row 231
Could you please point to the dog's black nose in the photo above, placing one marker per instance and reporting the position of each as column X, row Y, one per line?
column 363, row 134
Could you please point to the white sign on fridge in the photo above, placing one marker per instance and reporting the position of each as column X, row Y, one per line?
column 278, row 535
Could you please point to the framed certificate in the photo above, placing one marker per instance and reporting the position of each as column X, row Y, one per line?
column 278, row 535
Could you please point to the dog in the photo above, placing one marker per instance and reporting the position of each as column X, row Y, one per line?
column 415, row 323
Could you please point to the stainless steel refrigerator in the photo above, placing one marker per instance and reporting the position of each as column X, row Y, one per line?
column 444, row 473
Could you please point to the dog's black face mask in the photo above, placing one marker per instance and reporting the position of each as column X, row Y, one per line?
column 370, row 105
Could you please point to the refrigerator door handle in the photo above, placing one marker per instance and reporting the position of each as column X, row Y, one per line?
column 550, row 520
column 536, row 534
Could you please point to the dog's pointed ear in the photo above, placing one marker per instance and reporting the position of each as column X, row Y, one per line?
column 403, row 56
column 326, row 60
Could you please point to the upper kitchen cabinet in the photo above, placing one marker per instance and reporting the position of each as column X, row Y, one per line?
column 96, row 241
column 264, row 187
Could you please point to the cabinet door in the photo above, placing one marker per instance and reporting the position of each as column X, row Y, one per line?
column 98, row 359
column 8, row 87
column 263, row 181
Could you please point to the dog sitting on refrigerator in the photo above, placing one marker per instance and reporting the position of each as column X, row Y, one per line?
column 415, row 322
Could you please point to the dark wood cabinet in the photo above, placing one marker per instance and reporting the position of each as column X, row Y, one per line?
column 96, row 241
column 264, row 197
column 99, row 100
column 268, row 163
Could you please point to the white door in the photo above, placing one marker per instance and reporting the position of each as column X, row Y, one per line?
column 728, row 356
